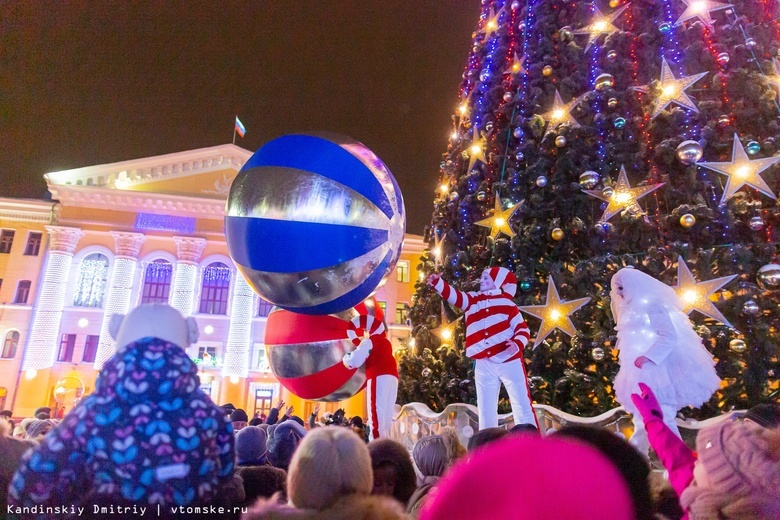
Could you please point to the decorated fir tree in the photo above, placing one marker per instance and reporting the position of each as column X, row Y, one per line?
column 591, row 136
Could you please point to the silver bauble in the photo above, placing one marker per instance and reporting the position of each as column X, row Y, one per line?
column 768, row 277
column 751, row 308
column 689, row 152
column 607, row 192
column 756, row 223
column 597, row 354
column 541, row 181
column 738, row 345
column 560, row 141
column 589, row 179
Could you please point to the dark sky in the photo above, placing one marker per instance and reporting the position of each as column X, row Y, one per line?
column 86, row 83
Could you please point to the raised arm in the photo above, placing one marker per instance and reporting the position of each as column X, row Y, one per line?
column 454, row 296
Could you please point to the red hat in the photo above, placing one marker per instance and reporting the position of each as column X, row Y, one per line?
column 531, row 477
column 503, row 279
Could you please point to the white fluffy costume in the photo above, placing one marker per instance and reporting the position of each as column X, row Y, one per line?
column 651, row 324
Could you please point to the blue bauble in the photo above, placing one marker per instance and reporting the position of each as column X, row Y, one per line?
column 314, row 223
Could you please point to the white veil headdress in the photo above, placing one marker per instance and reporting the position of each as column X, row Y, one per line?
column 640, row 290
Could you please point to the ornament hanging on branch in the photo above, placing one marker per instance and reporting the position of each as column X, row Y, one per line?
column 696, row 295
column 671, row 90
column 622, row 196
column 555, row 313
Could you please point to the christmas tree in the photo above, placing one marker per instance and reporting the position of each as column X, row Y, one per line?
column 588, row 137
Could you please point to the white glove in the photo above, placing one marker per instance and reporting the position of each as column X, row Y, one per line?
column 357, row 357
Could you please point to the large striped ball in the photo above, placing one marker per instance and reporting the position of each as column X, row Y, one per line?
column 305, row 352
column 314, row 222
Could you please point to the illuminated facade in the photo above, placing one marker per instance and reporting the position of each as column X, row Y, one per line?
column 142, row 231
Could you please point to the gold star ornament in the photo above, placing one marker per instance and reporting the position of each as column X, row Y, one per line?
column 601, row 24
column 446, row 329
column 623, row 195
column 555, row 314
column 517, row 67
column 696, row 295
column 700, row 9
column 742, row 171
column 499, row 221
column 672, row 90
column 561, row 112
column 476, row 149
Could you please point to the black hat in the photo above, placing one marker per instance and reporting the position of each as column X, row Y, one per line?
column 765, row 414
column 238, row 415
column 43, row 410
column 6, row 413
column 228, row 408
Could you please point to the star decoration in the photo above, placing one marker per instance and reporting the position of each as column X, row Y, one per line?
column 623, row 195
column 696, row 295
column 437, row 250
column 561, row 112
column 491, row 24
column 700, row 9
column 555, row 313
column 499, row 221
column 518, row 65
column 477, row 149
column 742, row 171
column 672, row 90
column 446, row 329
column 774, row 78
column 601, row 24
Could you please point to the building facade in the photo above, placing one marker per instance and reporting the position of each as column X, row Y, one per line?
column 143, row 231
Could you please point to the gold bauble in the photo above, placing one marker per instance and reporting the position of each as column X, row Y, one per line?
column 738, row 345
column 557, row 233
column 547, row 70
column 560, row 141
column 687, row 220
column 614, row 3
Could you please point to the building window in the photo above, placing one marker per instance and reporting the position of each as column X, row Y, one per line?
column 157, row 282
column 6, row 241
column 11, row 342
column 207, row 354
column 264, row 308
column 90, row 349
column 22, row 291
column 260, row 361
column 402, row 271
column 67, row 342
column 383, row 306
column 401, row 312
column 91, row 286
column 33, row 244
column 215, row 288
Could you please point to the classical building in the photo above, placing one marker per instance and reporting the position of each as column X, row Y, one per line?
column 140, row 231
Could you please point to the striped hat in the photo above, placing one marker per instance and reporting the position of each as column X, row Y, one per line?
column 503, row 279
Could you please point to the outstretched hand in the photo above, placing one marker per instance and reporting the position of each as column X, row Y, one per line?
column 647, row 404
column 433, row 279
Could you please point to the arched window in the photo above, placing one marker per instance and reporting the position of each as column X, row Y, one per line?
column 91, row 286
column 10, row 344
column 214, row 289
column 157, row 282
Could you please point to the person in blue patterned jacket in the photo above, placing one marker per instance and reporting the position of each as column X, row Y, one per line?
column 148, row 435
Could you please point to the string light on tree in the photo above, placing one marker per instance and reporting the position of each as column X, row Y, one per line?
column 600, row 24
column 555, row 313
column 696, row 295
column 622, row 195
column 499, row 221
column 742, row 171
column 672, row 90
column 700, row 9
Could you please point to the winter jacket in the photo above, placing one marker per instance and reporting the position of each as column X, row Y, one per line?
column 11, row 451
column 147, row 435
column 349, row 507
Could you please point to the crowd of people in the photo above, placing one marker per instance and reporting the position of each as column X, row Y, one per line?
column 148, row 442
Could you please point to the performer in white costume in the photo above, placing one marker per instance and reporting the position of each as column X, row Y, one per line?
column 658, row 347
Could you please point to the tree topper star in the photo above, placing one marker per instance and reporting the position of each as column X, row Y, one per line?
column 623, row 195
column 499, row 221
column 554, row 313
column 561, row 112
column 742, row 171
column 601, row 24
column 696, row 295
column 672, row 90
column 700, row 9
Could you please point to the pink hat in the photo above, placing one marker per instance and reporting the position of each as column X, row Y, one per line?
column 531, row 477
column 504, row 279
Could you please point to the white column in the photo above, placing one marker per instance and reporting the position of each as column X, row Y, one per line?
column 128, row 245
column 236, row 359
column 42, row 342
column 185, row 276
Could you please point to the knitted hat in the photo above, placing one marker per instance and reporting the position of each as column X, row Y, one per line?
column 765, row 414
column 504, row 279
column 283, row 439
column 153, row 320
column 527, row 476
column 238, row 415
column 738, row 459
column 37, row 427
column 250, row 444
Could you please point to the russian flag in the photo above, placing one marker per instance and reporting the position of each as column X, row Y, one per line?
column 240, row 127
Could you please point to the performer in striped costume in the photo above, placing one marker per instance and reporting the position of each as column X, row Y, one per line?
column 496, row 335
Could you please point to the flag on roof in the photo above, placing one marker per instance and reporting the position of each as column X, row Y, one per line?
column 240, row 127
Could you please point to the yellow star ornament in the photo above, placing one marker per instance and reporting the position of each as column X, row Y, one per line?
column 476, row 149
column 700, row 9
column 601, row 24
column 672, row 90
column 499, row 221
column 742, row 171
column 555, row 313
column 446, row 329
column 623, row 195
column 561, row 112
column 696, row 295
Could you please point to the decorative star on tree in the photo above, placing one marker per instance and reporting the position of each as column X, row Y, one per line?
column 623, row 195
column 672, row 90
column 601, row 24
column 742, row 171
column 696, row 295
column 561, row 112
column 499, row 221
column 491, row 24
column 518, row 65
column 437, row 250
column 700, row 9
column 446, row 329
column 554, row 313
column 477, row 148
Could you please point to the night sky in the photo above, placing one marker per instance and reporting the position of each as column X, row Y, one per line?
column 87, row 83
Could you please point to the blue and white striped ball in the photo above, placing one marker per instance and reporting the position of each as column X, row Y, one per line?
column 315, row 222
